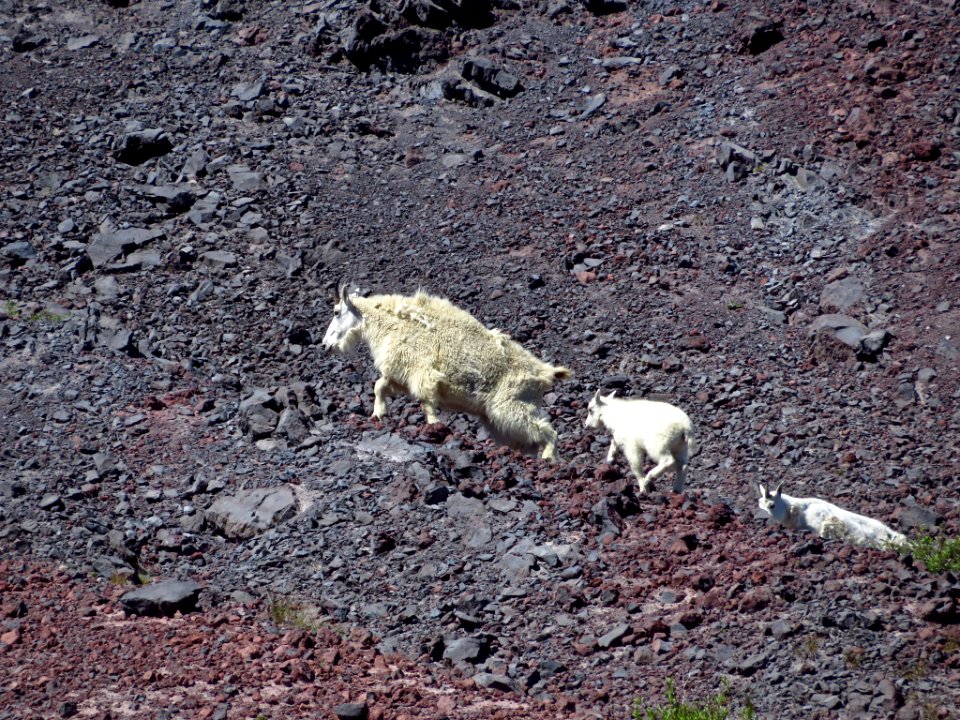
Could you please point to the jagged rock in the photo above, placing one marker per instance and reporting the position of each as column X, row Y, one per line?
column 841, row 295
column 605, row 7
column 26, row 40
column 178, row 199
column 760, row 33
column 494, row 681
column 370, row 43
column 441, row 14
column 231, row 10
column 136, row 148
column 18, row 252
column 464, row 650
column 352, row 711
column 491, row 78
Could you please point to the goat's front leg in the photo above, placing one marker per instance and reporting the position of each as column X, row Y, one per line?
column 430, row 410
column 382, row 389
column 612, row 452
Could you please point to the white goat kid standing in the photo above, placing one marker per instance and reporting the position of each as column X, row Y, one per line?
column 426, row 347
column 827, row 520
column 645, row 427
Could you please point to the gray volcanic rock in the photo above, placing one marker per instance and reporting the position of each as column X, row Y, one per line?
column 669, row 208
column 162, row 599
column 137, row 147
column 108, row 246
column 251, row 512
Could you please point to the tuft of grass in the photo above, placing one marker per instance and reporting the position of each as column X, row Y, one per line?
column 283, row 612
column 936, row 552
column 10, row 309
column 13, row 311
column 854, row 656
column 808, row 648
column 918, row 671
column 46, row 316
column 716, row 708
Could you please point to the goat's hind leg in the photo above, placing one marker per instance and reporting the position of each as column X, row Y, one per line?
column 636, row 457
column 548, row 440
column 515, row 423
column 663, row 464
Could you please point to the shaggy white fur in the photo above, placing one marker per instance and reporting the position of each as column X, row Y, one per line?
column 444, row 357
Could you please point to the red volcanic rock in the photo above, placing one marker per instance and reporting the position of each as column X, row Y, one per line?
column 924, row 150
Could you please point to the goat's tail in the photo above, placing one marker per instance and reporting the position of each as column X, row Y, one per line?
column 562, row 373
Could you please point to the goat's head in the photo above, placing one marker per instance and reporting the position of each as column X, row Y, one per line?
column 772, row 503
column 343, row 333
column 595, row 408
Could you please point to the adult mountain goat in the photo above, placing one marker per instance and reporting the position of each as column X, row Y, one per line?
column 827, row 520
column 645, row 427
column 426, row 347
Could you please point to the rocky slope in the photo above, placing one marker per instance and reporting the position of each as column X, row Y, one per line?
column 748, row 209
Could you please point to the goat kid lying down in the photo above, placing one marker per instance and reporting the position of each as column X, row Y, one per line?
column 645, row 427
column 426, row 347
column 827, row 520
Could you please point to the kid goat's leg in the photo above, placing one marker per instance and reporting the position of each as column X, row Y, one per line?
column 664, row 464
column 612, row 452
column 637, row 457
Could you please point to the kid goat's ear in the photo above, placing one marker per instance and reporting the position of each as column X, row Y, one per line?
column 779, row 487
column 763, row 490
column 612, row 393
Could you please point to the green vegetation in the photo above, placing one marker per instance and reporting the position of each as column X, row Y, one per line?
column 808, row 648
column 717, row 708
column 122, row 578
column 735, row 305
column 936, row 552
column 283, row 612
column 13, row 311
column 45, row 316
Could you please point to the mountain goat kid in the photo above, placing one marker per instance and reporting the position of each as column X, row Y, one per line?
column 827, row 520
column 426, row 347
column 645, row 427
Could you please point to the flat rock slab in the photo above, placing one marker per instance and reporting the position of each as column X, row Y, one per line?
column 391, row 447
column 251, row 512
column 107, row 247
column 162, row 599
column 844, row 328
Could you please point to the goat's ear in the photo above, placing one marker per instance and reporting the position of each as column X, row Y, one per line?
column 336, row 295
column 778, row 490
column 597, row 397
column 763, row 490
column 612, row 393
